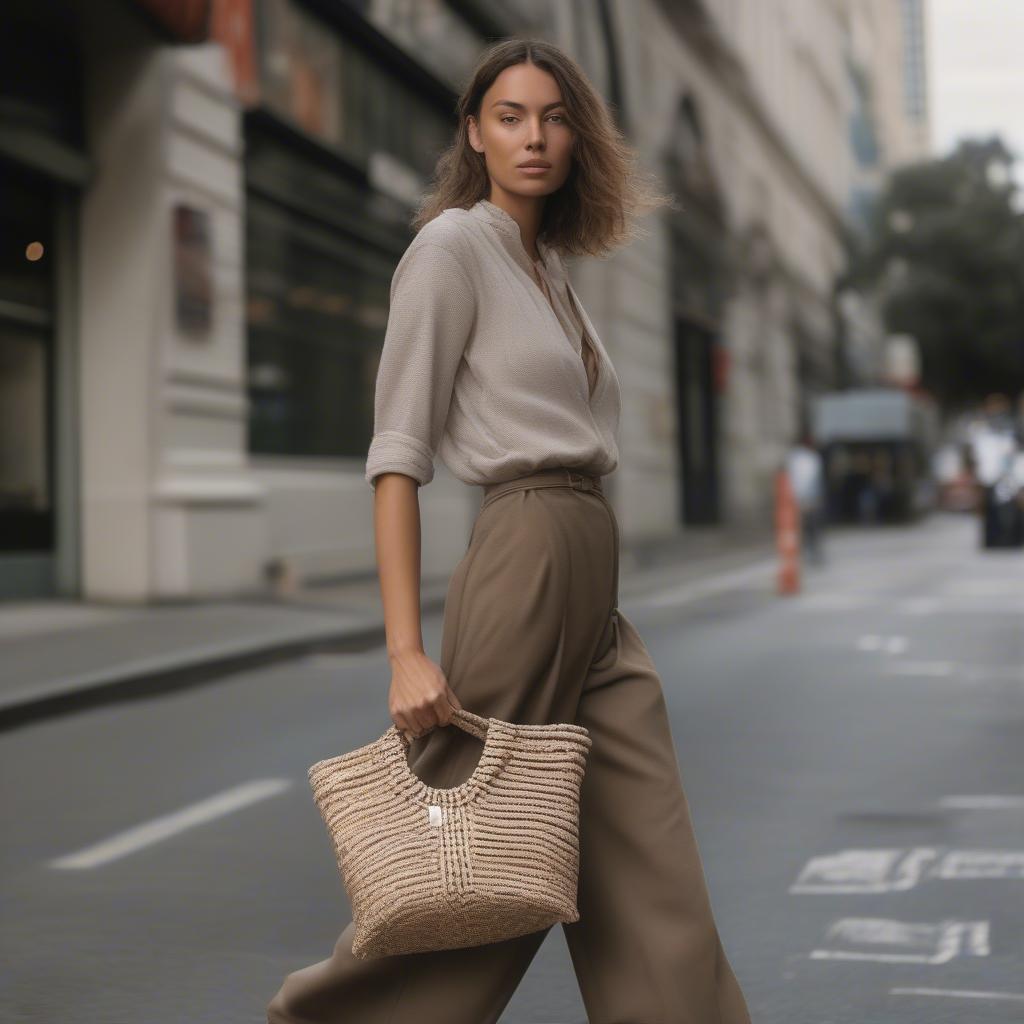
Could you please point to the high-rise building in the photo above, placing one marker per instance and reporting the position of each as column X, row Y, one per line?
column 885, row 56
column 915, row 79
column 888, row 120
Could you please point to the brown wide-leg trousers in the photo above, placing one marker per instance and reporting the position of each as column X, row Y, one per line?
column 532, row 633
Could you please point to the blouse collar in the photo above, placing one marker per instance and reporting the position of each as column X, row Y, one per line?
column 490, row 213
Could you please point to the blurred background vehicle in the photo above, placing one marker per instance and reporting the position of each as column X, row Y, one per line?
column 878, row 448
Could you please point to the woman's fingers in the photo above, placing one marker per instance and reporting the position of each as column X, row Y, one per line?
column 402, row 725
column 443, row 709
column 433, row 708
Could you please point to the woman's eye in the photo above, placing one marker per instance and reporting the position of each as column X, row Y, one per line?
column 511, row 117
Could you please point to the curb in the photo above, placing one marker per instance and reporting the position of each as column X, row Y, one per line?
column 165, row 673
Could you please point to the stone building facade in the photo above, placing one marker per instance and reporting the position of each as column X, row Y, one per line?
column 230, row 192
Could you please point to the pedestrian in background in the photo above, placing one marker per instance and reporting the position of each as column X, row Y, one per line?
column 807, row 480
column 993, row 449
column 490, row 359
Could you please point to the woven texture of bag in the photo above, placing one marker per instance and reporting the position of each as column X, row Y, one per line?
column 490, row 859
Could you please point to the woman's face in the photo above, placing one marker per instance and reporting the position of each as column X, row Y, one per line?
column 522, row 118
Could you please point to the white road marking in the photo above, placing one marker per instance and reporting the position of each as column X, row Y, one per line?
column 959, row 993
column 975, row 864
column 932, row 669
column 993, row 802
column 889, row 644
column 168, row 825
column 874, row 870
column 919, row 606
column 896, row 870
column 933, row 943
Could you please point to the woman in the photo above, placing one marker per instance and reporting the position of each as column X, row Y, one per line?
column 490, row 360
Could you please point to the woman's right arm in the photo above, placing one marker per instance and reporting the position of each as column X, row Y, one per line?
column 420, row 698
column 430, row 319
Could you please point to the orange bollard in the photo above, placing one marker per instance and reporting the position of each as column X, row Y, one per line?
column 787, row 535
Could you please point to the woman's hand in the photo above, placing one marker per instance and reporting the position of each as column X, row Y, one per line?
column 420, row 698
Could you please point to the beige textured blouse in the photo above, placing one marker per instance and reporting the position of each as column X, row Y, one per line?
column 485, row 360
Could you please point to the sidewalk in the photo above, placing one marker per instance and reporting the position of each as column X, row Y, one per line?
column 59, row 655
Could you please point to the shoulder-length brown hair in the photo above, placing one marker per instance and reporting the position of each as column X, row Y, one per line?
column 592, row 212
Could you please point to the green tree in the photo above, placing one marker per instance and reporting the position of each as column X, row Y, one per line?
column 945, row 253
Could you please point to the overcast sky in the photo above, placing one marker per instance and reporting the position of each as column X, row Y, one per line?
column 976, row 50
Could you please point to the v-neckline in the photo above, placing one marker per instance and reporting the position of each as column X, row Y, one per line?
column 506, row 224
column 585, row 337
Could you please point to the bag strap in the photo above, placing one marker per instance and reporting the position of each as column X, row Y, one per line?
column 467, row 721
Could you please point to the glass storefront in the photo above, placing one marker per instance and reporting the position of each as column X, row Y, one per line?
column 42, row 165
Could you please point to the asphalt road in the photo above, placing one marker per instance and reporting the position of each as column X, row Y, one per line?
column 853, row 756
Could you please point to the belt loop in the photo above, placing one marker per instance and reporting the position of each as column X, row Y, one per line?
column 581, row 481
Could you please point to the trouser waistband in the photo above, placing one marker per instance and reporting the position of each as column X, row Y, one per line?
column 558, row 476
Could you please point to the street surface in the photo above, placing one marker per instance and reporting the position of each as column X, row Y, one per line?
column 853, row 756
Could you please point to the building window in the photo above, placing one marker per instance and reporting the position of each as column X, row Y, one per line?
column 335, row 158
column 863, row 140
column 316, row 314
column 914, row 61
column 321, row 83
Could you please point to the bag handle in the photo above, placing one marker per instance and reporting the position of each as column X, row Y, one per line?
column 467, row 721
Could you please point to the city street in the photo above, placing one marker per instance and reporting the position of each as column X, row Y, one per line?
column 853, row 757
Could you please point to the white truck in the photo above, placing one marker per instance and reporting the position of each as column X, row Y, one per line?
column 877, row 446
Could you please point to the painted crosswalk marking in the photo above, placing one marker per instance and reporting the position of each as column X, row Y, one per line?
column 898, row 869
column 980, row 864
column 870, row 870
column 885, row 940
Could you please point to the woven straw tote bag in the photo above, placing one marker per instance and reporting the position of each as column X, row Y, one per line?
column 490, row 859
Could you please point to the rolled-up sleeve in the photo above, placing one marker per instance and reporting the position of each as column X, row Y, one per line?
column 430, row 317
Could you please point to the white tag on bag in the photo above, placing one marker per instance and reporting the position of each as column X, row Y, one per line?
column 435, row 814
